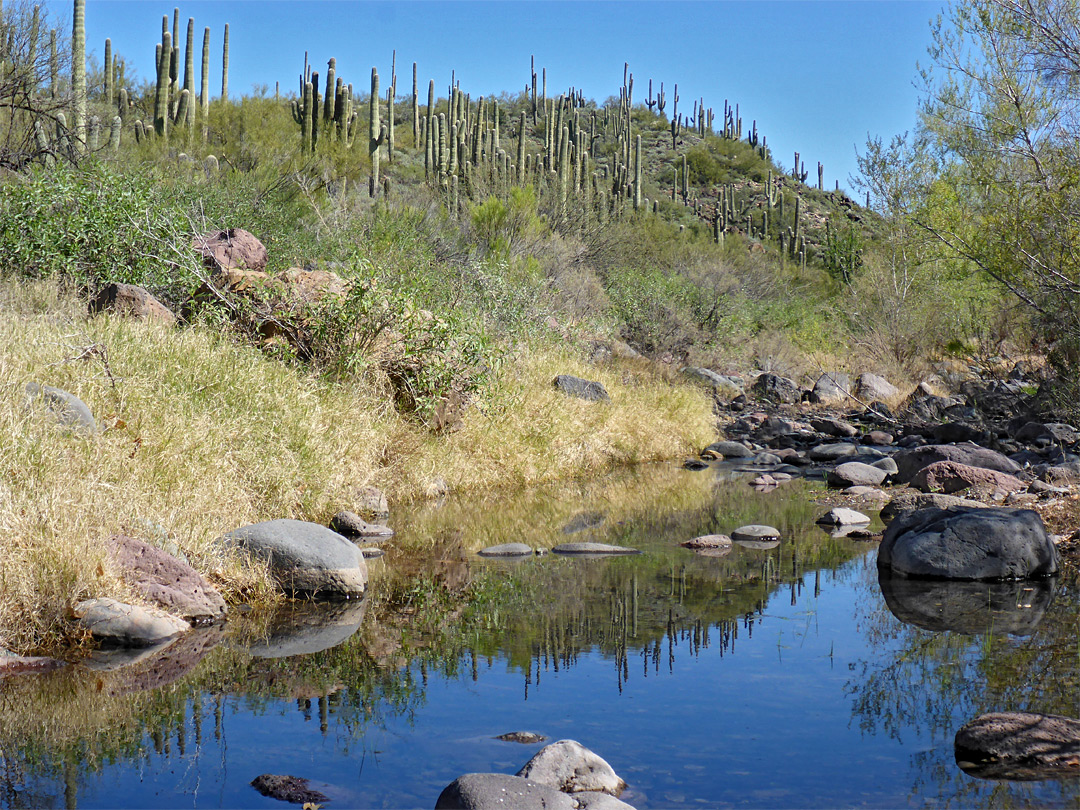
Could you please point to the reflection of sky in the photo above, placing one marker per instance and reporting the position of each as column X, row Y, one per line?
column 766, row 724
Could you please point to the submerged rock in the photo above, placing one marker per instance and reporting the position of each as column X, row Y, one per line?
column 523, row 737
column 506, row 550
column 294, row 789
column 595, row 549
column 350, row 524
column 127, row 625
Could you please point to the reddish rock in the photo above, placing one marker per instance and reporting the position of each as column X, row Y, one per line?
column 232, row 249
column 166, row 581
column 133, row 301
column 951, row 476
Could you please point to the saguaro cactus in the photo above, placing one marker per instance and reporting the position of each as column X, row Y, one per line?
column 415, row 110
column 161, row 97
column 204, row 89
column 375, row 133
column 108, row 89
column 637, row 172
column 225, row 65
column 78, row 68
column 189, row 77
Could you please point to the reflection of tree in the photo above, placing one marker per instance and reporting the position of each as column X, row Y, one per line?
column 923, row 683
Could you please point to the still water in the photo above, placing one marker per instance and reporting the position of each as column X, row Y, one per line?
column 767, row 677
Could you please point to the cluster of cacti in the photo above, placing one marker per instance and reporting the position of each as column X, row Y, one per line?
column 332, row 113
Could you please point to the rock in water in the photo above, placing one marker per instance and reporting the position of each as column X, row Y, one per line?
column 592, row 549
column 500, row 791
column 127, row 625
column 843, row 517
column 304, row 558
column 287, row 788
column 1019, row 745
column 964, row 543
column 571, row 767
column 506, row 550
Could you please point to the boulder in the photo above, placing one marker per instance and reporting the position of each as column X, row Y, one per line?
column 350, row 524
column 65, row 409
column 972, row 544
column 1019, row 745
column 1061, row 474
column 755, row 533
column 506, row 550
column 887, row 464
column 595, row 800
column 840, row 516
column 523, row 737
column 569, row 766
column 371, row 505
column 592, row 549
column 949, row 477
column 855, row 474
column 870, row 387
column 126, row 625
column 708, row 541
column 729, row 450
column 776, row 389
column 131, row 301
column 230, row 249
column 1048, row 432
column 831, row 387
column 582, row 389
column 304, row 558
column 834, row 427
column 704, row 376
column 500, row 791
column 950, row 432
column 166, row 581
column 909, row 462
column 878, row 438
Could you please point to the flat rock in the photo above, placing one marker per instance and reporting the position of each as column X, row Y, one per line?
column 131, row 301
column 912, row 501
column 755, row 533
column 500, row 791
column 523, row 737
column 596, row 549
column 949, row 476
column 867, row 493
column 1019, row 745
column 969, row 544
column 506, row 550
column 582, row 389
column 166, row 581
column 909, row 462
column 304, row 558
column 832, row 452
column 126, row 625
column 839, row 516
column 294, row 789
column 350, row 524
column 855, row 473
column 708, row 541
column 67, row 410
column 569, row 766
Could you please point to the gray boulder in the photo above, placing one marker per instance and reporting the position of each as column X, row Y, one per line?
column 831, row 387
column 350, row 524
column 973, row 544
column 500, row 791
column 569, row 766
column 304, row 558
column 834, row 427
column 582, row 389
column 855, row 474
column 506, row 550
column 126, row 625
column 65, row 409
column 592, row 549
column 839, row 516
column 728, row 450
column 909, row 462
column 870, row 387
column 832, row 452
column 1019, row 745
column 166, row 581
column 710, row 541
column 776, row 389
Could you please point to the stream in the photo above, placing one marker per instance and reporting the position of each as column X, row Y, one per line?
column 765, row 677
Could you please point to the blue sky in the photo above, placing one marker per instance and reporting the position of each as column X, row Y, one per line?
column 817, row 76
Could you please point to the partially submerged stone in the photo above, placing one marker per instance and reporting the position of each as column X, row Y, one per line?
column 592, row 549
column 523, row 737
column 500, row 791
column 756, row 536
column 1019, row 745
column 126, row 625
column 839, row 516
column 506, row 550
column 294, row 789
column 350, row 524
column 710, row 541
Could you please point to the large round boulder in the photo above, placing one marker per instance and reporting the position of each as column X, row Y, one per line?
column 965, row 543
column 500, row 791
column 855, row 474
column 909, row 462
column 305, row 559
column 569, row 766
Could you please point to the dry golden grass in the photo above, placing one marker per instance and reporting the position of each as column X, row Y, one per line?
column 203, row 435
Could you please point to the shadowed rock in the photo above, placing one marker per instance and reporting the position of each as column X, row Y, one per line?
column 1015, row 607
column 286, row 788
column 909, row 462
column 350, row 524
column 582, row 389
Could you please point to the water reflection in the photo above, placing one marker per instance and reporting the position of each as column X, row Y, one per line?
column 302, row 628
column 973, row 608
